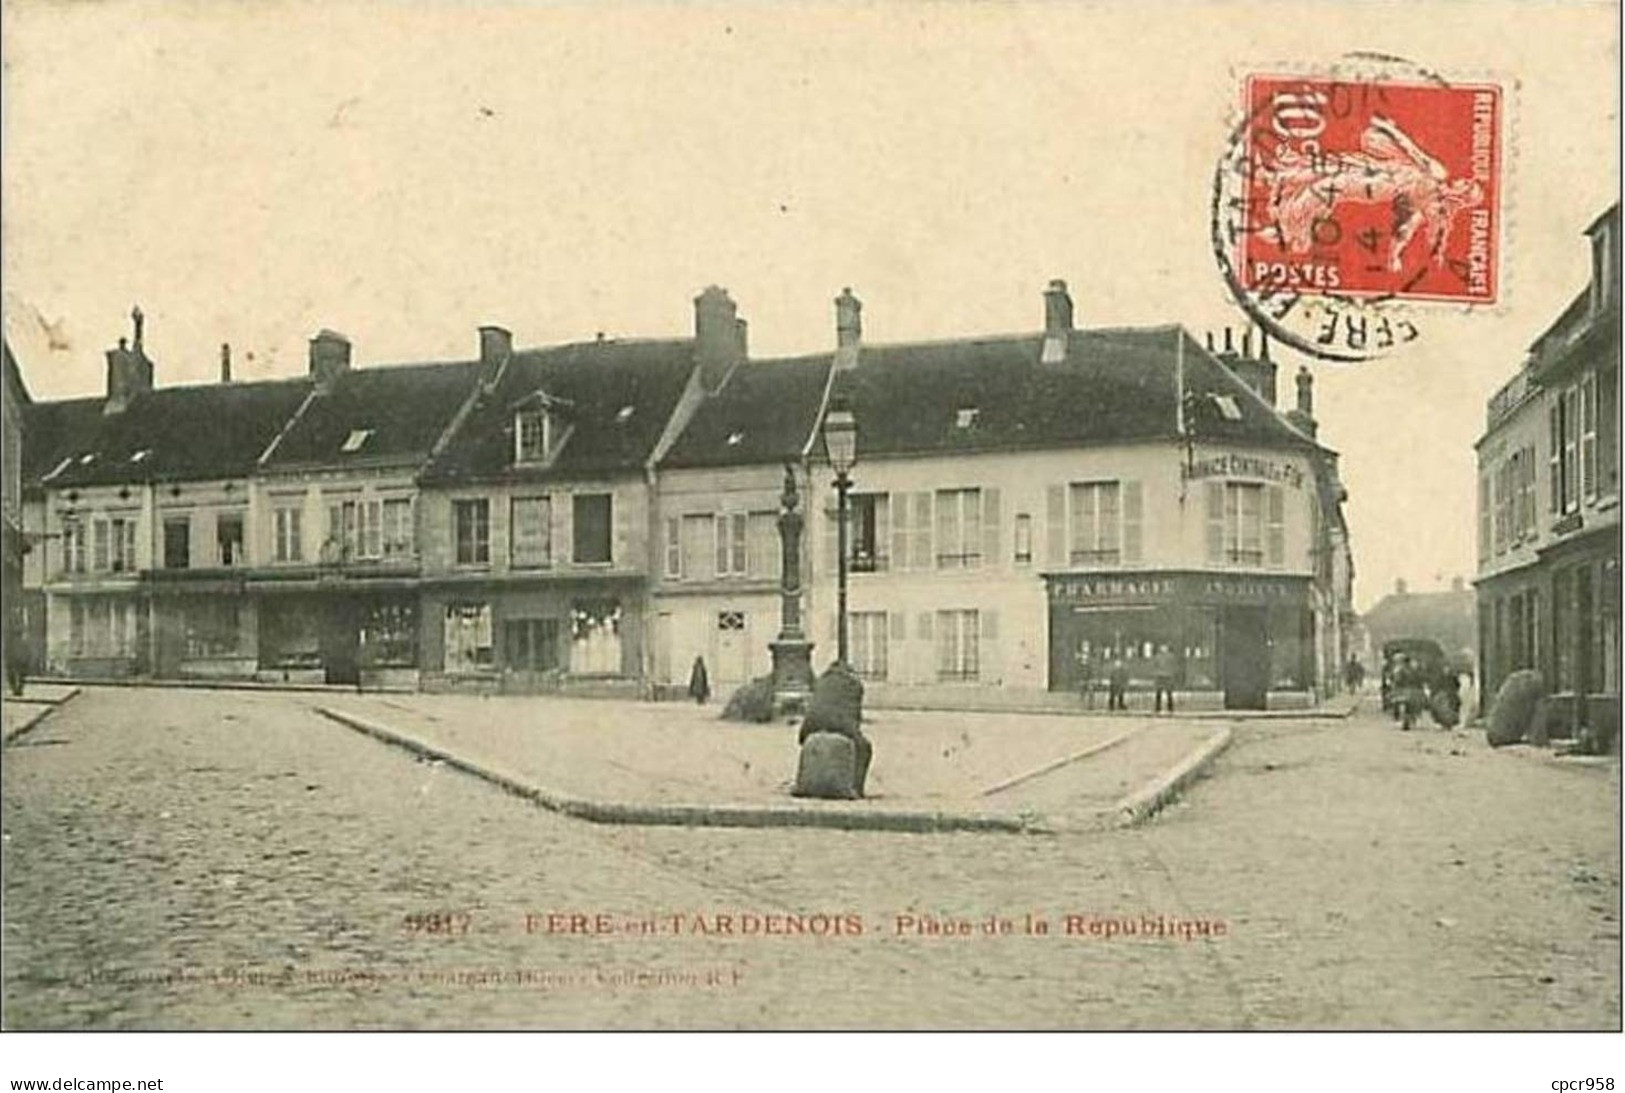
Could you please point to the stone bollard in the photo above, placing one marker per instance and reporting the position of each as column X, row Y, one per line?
column 828, row 767
column 1517, row 704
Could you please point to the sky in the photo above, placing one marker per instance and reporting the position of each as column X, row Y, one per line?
column 405, row 173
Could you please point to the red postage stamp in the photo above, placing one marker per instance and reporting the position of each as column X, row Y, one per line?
column 1372, row 189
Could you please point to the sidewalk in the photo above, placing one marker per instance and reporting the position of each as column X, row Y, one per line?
column 37, row 702
column 668, row 763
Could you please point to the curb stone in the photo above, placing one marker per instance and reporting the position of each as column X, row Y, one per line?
column 688, row 815
column 50, row 708
column 1145, row 802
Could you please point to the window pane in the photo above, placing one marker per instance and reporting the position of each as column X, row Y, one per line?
column 593, row 527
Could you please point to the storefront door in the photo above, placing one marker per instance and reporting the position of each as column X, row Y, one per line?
column 341, row 640
column 1245, row 657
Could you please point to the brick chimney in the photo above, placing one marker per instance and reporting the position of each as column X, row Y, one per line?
column 225, row 362
column 1302, row 416
column 848, row 329
column 1257, row 372
column 496, row 346
column 129, row 371
column 1057, row 322
column 719, row 336
column 329, row 359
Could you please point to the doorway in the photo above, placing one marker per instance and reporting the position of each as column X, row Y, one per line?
column 341, row 643
column 1245, row 658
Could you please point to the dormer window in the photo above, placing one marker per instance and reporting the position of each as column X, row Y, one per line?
column 624, row 414
column 355, row 440
column 532, row 436
column 1228, row 408
column 141, row 456
column 734, row 439
column 966, row 417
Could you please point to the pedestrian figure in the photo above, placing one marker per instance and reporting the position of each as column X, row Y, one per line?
column 1086, row 677
column 1163, row 668
column 1116, row 684
column 699, row 684
column 1354, row 674
column 16, row 662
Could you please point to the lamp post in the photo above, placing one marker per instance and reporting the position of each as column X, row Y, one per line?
column 841, row 442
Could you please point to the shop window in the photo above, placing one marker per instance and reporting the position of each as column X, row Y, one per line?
column 101, row 628
column 290, row 635
column 389, row 635
column 468, row 637
column 473, row 522
column 530, row 645
column 594, row 528
column 959, row 528
column 287, row 528
column 867, row 632
column 228, row 536
column 868, row 532
column 532, row 522
column 177, row 542
column 958, row 638
column 212, row 628
column 595, row 637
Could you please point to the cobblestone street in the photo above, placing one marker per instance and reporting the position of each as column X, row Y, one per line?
column 196, row 859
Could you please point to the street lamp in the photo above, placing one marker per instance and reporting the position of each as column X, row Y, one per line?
column 841, row 443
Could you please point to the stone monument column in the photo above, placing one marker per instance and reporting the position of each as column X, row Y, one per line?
column 792, row 652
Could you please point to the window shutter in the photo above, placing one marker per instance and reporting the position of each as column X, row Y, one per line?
column 1055, row 526
column 898, row 628
column 990, row 528
column 988, row 651
column 719, row 529
column 1554, row 434
column 923, row 558
column 922, row 628
column 1275, row 539
column 950, row 528
column 1215, row 522
column 1133, row 515
column 882, row 542
column 563, row 528
column 900, row 538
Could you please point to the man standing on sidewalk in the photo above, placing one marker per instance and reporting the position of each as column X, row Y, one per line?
column 1163, row 668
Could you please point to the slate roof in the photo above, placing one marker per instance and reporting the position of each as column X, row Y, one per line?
column 188, row 432
column 402, row 408
column 1113, row 386
column 595, row 383
column 765, row 413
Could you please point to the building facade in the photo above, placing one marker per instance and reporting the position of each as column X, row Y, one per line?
column 1029, row 513
column 1032, row 512
column 1548, row 507
column 537, row 515
column 14, row 547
